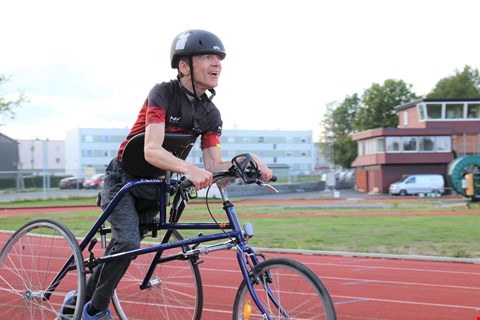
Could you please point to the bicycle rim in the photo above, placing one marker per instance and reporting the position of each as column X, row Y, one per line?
column 175, row 293
column 29, row 262
column 299, row 291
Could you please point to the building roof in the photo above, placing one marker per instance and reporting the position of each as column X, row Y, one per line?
column 382, row 132
column 8, row 138
column 415, row 102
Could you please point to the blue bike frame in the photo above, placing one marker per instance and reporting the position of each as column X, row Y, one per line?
column 236, row 234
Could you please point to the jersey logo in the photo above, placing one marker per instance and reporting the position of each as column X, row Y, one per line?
column 175, row 120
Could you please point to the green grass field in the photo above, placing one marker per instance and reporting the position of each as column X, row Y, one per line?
column 453, row 235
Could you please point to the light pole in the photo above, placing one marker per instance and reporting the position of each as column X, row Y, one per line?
column 32, row 159
column 46, row 176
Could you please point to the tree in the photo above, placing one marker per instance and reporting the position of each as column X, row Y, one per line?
column 379, row 104
column 338, row 126
column 464, row 84
column 344, row 149
column 375, row 109
column 7, row 106
column 327, row 138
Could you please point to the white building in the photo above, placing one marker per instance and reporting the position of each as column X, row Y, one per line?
column 39, row 155
column 90, row 150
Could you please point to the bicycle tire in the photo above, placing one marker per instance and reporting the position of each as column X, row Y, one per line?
column 300, row 292
column 30, row 261
column 177, row 294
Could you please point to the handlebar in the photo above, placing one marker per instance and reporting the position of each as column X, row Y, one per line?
column 244, row 167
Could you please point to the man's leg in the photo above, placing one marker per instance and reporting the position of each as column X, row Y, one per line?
column 125, row 237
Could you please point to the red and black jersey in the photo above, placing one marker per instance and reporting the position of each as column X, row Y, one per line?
column 168, row 103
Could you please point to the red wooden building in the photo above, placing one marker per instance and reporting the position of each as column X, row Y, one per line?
column 431, row 133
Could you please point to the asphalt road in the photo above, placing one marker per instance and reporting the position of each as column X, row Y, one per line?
column 339, row 194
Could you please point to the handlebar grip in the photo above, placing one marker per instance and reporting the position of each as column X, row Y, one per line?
column 186, row 184
column 274, row 178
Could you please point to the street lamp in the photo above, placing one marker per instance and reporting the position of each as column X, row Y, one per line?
column 46, row 176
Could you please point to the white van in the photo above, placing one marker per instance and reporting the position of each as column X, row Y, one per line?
column 418, row 183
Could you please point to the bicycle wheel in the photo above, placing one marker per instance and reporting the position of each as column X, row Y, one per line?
column 298, row 290
column 30, row 261
column 175, row 293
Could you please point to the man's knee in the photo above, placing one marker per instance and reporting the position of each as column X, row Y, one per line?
column 125, row 245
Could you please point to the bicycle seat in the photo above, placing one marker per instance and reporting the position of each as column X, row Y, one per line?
column 133, row 157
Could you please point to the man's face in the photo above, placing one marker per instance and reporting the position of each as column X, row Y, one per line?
column 206, row 70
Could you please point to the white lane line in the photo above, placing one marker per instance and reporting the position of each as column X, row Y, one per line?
column 363, row 299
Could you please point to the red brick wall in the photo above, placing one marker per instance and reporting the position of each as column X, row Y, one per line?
column 413, row 119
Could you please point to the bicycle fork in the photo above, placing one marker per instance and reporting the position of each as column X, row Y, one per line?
column 252, row 278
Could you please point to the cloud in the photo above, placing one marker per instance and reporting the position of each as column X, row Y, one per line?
column 57, row 80
column 92, row 63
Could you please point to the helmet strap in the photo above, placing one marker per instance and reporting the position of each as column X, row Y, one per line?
column 188, row 92
column 194, row 94
column 213, row 93
column 192, row 78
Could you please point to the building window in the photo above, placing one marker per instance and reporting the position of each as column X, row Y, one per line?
column 426, row 144
column 448, row 111
column 381, row 145
column 361, row 148
column 434, row 111
column 261, row 139
column 443, row 144
column 393, row 144
column 405, row 118
column 409, row 144
column 473, row 111
column 418, row 144
column 421, row 111
column 454, row 111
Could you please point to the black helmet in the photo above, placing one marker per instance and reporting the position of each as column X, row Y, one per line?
column 195, row 42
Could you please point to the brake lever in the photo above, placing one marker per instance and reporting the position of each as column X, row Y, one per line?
column 266, row 185
column 187, row 192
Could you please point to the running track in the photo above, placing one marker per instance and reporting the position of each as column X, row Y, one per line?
column 362, row 288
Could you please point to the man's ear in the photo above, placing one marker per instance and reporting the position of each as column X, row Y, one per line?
column 184, row 67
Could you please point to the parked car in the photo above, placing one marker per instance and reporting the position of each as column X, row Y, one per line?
column 418, row 183
column 94, row 182
column 71, row 183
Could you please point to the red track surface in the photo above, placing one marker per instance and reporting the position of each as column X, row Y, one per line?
column 362, row 288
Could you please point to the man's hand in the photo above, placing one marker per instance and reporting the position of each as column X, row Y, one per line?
column 199, row 177
column 265, row 171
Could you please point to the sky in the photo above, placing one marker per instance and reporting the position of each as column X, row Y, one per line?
column 91, row 64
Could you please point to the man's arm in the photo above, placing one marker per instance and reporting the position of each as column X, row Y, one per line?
column 157, row 156
column 212, row 158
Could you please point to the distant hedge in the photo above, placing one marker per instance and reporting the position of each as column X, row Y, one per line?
column 29, row 182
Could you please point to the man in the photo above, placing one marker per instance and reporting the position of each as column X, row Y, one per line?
column 181, row 105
